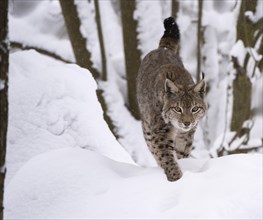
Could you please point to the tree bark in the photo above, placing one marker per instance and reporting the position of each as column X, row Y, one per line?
column 132, row 53
column 245, row 30
column 260, row 50
column 199, row 40
column 175, row 8
column 242, row 87
column 101, row 41
column 78, row 42
column 106, row 117
column 4, row 54
column 241, row 98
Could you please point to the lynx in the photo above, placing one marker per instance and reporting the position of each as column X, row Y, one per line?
column 170, row 103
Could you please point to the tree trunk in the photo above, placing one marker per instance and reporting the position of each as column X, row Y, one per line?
column 199, row 39
column 242, row 87
column 175, row 8
column 260, row 50
column 17, row 45
column 78, row 42
column 241, row 98
column 245, row 30
column 4, row 54
column 132, row 53
column 102, row 48
column 105, row 115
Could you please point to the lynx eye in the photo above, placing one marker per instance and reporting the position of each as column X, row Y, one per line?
column 177, row 109
column 195, row 109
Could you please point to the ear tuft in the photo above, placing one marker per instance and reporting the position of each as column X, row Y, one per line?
column 203, row 75
column 170, row 87
column 200, row 87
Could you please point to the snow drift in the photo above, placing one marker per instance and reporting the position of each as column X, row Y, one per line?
column 53, row 105
column 63, row 162
column 80, row 184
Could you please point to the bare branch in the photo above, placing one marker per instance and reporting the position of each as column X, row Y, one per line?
column 21, row 46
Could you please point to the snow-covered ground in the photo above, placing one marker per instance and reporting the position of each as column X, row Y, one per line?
column 80, row 184
column 85, row 173
column 53, row 105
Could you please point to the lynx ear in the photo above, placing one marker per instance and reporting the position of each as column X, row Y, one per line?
column 200, row 87
column 170, row 87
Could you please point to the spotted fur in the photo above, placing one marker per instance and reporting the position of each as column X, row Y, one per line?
column 170, row 103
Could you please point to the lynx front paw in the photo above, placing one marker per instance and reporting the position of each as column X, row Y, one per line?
column 173, row 174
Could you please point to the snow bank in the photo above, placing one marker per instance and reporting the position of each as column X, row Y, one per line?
column 73, row 183
column 54, row 105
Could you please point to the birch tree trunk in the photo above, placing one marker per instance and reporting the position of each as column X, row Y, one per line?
column 4, row 54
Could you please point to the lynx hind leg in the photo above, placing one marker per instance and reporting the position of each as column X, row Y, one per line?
column 162, row 149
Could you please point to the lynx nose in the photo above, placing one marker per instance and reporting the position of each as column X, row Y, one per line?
column 187, row 123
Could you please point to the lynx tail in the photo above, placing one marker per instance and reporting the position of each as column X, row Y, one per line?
column 171, row 36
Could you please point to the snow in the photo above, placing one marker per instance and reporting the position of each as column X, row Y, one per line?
column 42, row 28
column 239, row 51
column 73, row 183
column 129, row 129
column 258, row 13
column 63, row 162
column 145, row 28
column 53, row 105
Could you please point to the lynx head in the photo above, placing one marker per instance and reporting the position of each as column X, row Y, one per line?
column 183, row 106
